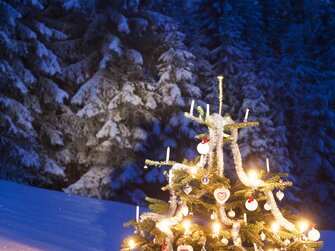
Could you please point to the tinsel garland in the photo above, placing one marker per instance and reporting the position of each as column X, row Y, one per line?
column 256, row 183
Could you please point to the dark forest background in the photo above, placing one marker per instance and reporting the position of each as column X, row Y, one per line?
column 90, row 89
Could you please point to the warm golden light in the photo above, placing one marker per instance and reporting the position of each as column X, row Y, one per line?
column 252, row 174
column 164, row 226
column 216, row 227
column 275, row 227
column 131, row 244
column 193, row 170
column 186, row 225
column 303, row 225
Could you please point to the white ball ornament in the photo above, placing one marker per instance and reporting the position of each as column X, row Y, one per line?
column 267, row 206
column 251, row 204
column 313, row 234
column 214, row 216
column 231, row 213
column 263, row 236
column 280, row 195
column 287, row 242
column 224, row 241
column 203, row 146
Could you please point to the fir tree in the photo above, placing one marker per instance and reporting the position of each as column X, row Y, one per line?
column 26, row 62
column 200, row 191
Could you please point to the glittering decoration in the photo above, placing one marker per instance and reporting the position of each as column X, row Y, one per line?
column 212, row 140
column 263, row 236
column 277, row 214
column 224, row 218
column 247, row 182
column 238, row 164
column 235, row 231
column 219, row 152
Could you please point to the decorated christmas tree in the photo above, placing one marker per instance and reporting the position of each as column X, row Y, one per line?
column 210, row 211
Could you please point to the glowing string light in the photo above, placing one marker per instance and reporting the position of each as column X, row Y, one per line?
column 275, row 227
column 303, row 225
column 216, row 227
column 131, row 244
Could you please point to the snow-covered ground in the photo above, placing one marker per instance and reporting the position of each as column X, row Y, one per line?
column 34, row 219
column 39, row 219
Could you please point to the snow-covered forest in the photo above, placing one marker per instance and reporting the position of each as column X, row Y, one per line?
column 90, row 89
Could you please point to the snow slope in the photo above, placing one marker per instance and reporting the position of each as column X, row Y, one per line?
column 34, row 219
column 39, row 219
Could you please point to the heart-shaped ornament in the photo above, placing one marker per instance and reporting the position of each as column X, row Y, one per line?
column 185, row 248
column 280, row 195
column 187, row 189
column 221, row 195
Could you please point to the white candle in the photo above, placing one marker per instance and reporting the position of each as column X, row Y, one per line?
column 137, row 213
column 192, row 107
column 167, row 154
column 245, row 217
column 267, row 165
column 207, row 110
column 246, row 115
column 201, row 159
